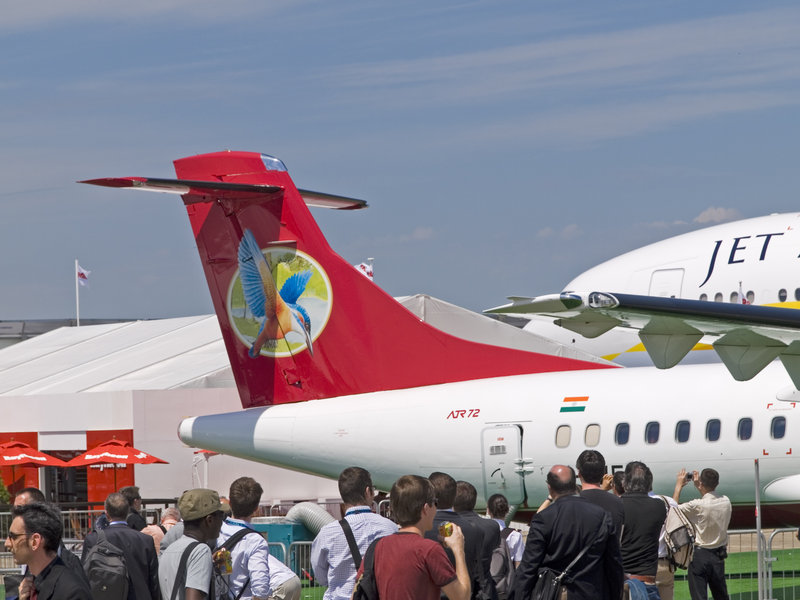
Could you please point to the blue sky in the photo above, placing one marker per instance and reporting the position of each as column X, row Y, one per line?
column 504, row 147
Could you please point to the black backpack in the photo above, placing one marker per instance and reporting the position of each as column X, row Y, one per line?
column 106, row 570
column 366, row 586
column 502, row 566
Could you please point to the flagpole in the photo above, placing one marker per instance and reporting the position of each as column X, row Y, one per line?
column 77, row 298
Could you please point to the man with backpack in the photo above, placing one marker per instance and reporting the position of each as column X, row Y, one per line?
column 710, row 514
column 249, row 552
column 186, row 568
column 507, row 557
column 120, row 562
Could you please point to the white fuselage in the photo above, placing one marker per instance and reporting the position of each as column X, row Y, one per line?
column 504, row 434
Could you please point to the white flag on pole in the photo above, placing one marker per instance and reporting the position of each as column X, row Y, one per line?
column 83, row 275
column 365, row 269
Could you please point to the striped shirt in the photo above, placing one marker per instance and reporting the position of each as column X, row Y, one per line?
column 331, row 559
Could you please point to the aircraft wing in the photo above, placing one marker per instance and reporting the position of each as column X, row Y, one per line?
column 746, row 337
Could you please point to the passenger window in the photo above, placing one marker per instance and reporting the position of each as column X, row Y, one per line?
column 703, row 297
column 563, row 435
column 782, row 295
column 745, row 429
column 797, row 294
column 622, row 434
column 651, row 432
column 751, row 296
column 718, row 297
column 778, row 428
column 713, row 428
column 682, row 432
column 592, row 436
column 734, row 297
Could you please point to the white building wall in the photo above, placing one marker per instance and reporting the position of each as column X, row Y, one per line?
column 63, row 419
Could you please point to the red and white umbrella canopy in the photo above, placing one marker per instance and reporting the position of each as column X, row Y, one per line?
column 20, row 454
column 115, row 452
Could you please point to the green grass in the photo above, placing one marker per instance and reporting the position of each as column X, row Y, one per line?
column 312, row 593
column 741, row 570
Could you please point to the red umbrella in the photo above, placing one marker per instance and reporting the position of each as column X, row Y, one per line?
column 19, row 454
column 114, row 452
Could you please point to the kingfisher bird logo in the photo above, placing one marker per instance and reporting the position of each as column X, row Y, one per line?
column 279, row 301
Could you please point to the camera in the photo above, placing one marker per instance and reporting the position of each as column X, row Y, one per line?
column 689, row 476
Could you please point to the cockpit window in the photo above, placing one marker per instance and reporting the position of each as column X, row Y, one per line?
column 272, row 164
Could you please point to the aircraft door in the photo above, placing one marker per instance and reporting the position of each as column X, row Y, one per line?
column 666, row 283
column 504, row 469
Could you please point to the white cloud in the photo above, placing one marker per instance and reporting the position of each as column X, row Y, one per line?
column 418, row 234
column 600, row 85
column 568, row 232
column 717, row 214
column 28, row 15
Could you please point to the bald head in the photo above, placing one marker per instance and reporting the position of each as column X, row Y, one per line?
column 561, row 481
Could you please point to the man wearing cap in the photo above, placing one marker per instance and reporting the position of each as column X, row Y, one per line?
column 202, row 518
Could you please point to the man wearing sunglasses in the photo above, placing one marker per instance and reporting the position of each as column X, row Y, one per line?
column 33, row 540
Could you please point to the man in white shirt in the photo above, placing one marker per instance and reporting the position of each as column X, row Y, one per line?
column 331, row 558
column 249, row 579
column 710, row 514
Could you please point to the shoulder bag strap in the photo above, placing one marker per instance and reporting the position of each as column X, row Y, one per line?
column 582, row 552
column 180, row 577
column 229, row 545
column 234, row 539
column 351, row 541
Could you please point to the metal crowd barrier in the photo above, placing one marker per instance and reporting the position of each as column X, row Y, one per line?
column 783, row 565
column 300, row 563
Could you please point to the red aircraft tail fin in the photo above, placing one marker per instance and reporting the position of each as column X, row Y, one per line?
column 299, row 322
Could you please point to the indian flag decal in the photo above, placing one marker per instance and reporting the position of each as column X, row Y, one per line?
column 574, row 404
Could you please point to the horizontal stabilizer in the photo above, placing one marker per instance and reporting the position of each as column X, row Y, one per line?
column 224, row 189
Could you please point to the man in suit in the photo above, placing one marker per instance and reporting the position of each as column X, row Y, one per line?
column 558, row 534
column 464, row 505
column 140, row 554
column 445, row 487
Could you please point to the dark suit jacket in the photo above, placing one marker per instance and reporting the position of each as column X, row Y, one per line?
column 473, row 542
column 491, row 540
column 70, row 560
column 140, row 558
column 557, row 535
column 59, row 582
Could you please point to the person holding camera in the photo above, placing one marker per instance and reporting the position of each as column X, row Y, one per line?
column 710, row 514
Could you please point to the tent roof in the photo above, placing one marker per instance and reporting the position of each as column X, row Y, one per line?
column 188, row 352
column 139, row 355
column 476, row 327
